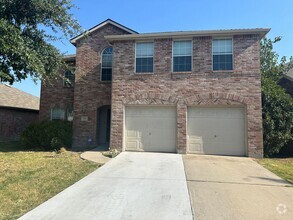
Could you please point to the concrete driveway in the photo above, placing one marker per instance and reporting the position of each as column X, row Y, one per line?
column 132, row 186
column 171, row 186
column 235, row 188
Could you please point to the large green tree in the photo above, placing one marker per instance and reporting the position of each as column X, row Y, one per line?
column 27, row 30
column 277, row 104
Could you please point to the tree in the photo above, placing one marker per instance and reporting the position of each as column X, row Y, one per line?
column 27, row 29
column 277, row 105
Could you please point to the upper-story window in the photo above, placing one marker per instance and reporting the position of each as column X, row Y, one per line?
column 182, row 56
column 222, row 54
column 68, row 79
column 107, row 64
column 144, row 57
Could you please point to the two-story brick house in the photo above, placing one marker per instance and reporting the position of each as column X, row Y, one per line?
column 185, row 92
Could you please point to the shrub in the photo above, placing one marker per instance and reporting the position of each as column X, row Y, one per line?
column 277, row 117
column 48, row 135
column 62, row 150
column 56, row 143
column 111, row 153
column 277, row 105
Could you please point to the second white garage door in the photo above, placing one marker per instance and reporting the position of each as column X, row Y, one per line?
column 216, row 131
column 150, row 128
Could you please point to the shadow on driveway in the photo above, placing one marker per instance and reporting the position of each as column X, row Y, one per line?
column 235, row 188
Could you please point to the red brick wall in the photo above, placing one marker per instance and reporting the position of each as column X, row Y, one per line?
column 14, row 121
column 54, row 95
column 200, row 87
column 90, row 92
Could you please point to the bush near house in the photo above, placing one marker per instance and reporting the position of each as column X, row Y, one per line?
column 48, row 135
column 277, row 105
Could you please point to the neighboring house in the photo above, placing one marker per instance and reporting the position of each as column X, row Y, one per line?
column 17, row 110
column 287, row 82
column 184, row 92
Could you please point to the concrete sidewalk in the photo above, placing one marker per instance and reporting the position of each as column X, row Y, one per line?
column 131, row 186
column 95, row 155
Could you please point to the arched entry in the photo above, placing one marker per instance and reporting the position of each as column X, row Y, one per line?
column 103, row 125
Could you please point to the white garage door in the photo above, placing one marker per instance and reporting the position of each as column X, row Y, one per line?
column 150, row 128
column 216, row 131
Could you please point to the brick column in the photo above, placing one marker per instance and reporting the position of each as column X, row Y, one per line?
column 117, row 122
column 254, row 131
column 181, row 127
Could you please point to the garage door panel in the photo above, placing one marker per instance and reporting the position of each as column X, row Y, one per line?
column 215, row 112
column 204, row 124
column 156, row 126
column 133, row 134
column 137, row 112
column 132, row 144
column 156, row 138
column 221, row 130
column 223, row 148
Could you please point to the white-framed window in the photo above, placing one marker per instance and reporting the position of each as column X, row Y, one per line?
column 62, row 114
column 182, row 56
column 69, row 114
column 144, row 57
column 68, row 79
column 223, row 54
column 57, row 114
column 106, row 67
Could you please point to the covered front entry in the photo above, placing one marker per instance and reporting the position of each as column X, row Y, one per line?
column 103, row 125
column 150, row 128
column 216, row 130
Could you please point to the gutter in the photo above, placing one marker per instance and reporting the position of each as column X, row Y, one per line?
column 185, row 34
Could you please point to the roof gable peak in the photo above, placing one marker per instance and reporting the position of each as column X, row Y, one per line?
column 100, row 25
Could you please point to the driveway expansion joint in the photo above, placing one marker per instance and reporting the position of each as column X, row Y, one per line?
column 238, row 183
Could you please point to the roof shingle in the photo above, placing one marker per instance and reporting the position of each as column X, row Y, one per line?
column 14, row 98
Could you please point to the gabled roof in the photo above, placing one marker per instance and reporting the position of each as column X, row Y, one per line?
column 15, row 98
column 69, row 57
column 108, row 21
column 182, row 34
column 289, row 74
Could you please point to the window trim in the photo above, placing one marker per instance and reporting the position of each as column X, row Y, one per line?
column 64, row 116
column 65, row 113
column 144, row 73
column 223, row 38
column 101, row 69
column 172, row 68
column 73, row 80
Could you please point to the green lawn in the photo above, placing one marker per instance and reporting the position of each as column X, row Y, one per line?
column 27, row 179
column 282, row 167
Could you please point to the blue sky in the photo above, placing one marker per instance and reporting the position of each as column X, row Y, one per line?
column 176, row 15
